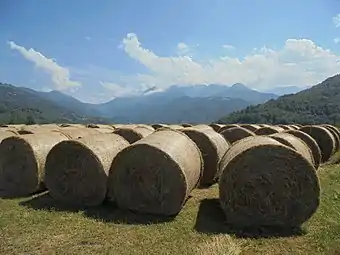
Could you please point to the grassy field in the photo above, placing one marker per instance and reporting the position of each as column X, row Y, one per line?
column 40, row 226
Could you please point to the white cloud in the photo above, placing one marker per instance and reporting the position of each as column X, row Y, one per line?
column 336, row 20
column 119, row 90
column 60, row 76
column 228, row 47
column 182, row 48
column 299, row 62
column 336, row 40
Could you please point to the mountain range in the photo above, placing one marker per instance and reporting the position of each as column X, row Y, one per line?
column 194, row 104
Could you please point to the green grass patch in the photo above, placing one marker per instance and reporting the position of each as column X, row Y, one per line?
column 40, row 226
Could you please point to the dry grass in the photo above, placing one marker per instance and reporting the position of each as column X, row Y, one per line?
column 39, row 226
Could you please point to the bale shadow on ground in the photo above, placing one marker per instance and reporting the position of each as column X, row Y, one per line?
column 211, row 220
column 106, row 212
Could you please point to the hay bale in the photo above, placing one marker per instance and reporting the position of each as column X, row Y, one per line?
column 324, row 139
column 216, row 126
column 175, row 127
column 117, row 126
column 235, row 134
column 284, row 127
column 105, row 130
column 132, row 135
column 51, row 125
column 37, row 129
column 100, row 126
column 203, row 127
column 225, row 127
column 294, row 143
column 77, row 170
column 294, row 127
column 265, row 125
column 22, row 162
column 156, row 174
column 336, row 135
column 250, row 127
column 268, row 130
column 186, row 125
column 159, row 125
column 311, row 143
column 9, row 130
column 266, row 183
column 212, row 146
column 6, row 134
column 77, row 133
column 146, row 126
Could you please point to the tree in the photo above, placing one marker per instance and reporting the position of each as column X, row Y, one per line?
column 30, row 120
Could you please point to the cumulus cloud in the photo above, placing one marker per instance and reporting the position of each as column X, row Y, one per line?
column 299, row 62
column 336, row 20
column 228, row 47
column 60, row 76
column 336, row 40
column 182, row 48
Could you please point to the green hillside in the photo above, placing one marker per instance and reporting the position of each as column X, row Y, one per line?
column 318, row 104
column 19, row 105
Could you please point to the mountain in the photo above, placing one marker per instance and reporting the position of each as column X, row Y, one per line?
column 22, row 105
column 285, row 90
column 317, row 104
column 182, row 109
column 237, row 90
column 180, row 103
column 196, row 103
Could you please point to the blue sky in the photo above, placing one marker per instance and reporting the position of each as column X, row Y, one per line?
column 96, row 51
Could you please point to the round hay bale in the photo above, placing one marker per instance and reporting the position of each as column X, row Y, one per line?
column 64, row 125
column 6, row 134
column 117, row 126
column 311, row 143
column 284, row 127
column 266, row 183
column 22, row 162
column 335, row 134
column 265, row 125
column 176, row 127
column 105, row 130
column 76, row 133
column 14, row 127
column 37, row 129
column 203, row 127
column 132, row 135
column 235, row 134
column 100, row 126
column 51, row 125
column 158, row 126
column 9, row 130
column 156, row 174
column 332, row 127
column 146, row 126
column 77, row 170
column 225, row 127
column 216, row 126
column 186, row 125
column 212, row 146
column 268, row 130
column 294, row 143
column 250, row 127
column 324, row 139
